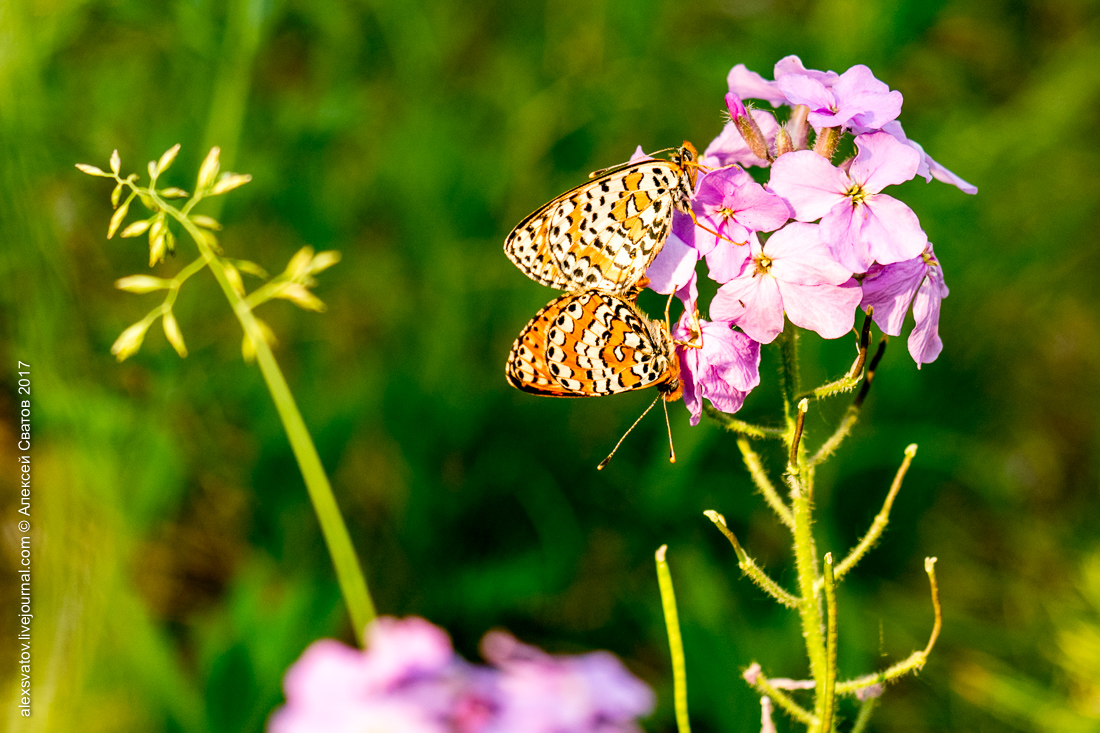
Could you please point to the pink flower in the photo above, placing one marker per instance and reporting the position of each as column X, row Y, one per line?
column 750, row 85
column 731, row 203
column 793, row 273
column 891, row 289
column 724, row 370
column 793, row 65
column 673, row 269
column 410, row 680
column 856, row 98
column 587, row 693
column 928, row 168
column 859, row 224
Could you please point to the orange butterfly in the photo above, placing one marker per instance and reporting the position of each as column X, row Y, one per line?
column 605, row 233
column 593, row 343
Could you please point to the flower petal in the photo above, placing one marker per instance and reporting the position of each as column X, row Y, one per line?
column 809, row 184
column 882, row 161
column 750, row 85
column 799, row 256
column 924, row 342
column 726, row 260
column 828, row 309
column 800, row 89
column 793, row 65
column 751, row 301
column 891, row 230
column 841, row 230
column 674, row 266
column 890, row 289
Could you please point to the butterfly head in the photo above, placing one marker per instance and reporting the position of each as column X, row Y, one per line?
column 687, row 157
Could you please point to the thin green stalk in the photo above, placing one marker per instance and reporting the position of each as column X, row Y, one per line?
column 852, row 414
column 675, row 642
column 761, row 684
column 829, row 703
column 740, row 426
column 349, row 573
column 916, row 660
column 749, row 566
column 788, row 371
column 763, row 483
column 865, row 709
column 881, row 519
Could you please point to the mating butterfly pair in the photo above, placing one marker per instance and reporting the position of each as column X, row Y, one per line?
column 596, row 242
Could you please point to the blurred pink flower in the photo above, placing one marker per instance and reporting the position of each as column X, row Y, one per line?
column 587, row 693
column 410, row 680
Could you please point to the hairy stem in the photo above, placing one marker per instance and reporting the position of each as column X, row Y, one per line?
column 740, row 426
column 763, row 483
column 916, row 660
column 829, row 703
column 881, row 519
column 809, row 612
column 852, row 415
column 749, row 566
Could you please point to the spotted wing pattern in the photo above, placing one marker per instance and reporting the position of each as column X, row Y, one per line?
column 605, row 233
column 592, row 343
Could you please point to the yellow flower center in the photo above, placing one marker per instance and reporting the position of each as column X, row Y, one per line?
column 763, row 264
column 856, row 194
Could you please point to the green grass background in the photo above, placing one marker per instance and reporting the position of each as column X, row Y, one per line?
column 179, row 569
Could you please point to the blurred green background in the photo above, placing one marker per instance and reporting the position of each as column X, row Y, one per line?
column 179, row 569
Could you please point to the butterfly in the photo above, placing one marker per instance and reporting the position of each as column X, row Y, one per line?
column 592, row 343
column 605, row 233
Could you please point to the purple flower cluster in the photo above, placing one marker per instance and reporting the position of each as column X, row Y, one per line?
column 409, row 679
column 815, row 243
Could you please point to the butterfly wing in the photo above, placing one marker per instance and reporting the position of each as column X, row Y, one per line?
column 605, row 233
column 589, row 344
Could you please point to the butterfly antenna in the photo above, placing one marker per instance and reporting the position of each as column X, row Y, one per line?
column 671, row 449
column 607, row 460
column 706, row 228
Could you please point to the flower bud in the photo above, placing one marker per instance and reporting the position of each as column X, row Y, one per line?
column 116, row 162
column 298, row 267
column 747, row 126
column 251, row 268
column 206, row 222
column 301, row 297
column 324, row 260
column 142, row 284
column 116, row 194
column 234, row 278
column 174, row 193
column 116, row 219
column 209, row 169
column 229, row 181
column 173, row 333
column 136, row 229
column 167, row 158
column 129, row 341
column 91, row 170
column 248, row 349
column 783, row 142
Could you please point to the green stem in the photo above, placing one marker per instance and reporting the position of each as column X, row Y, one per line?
column 808, row 606
column 749, row 566
column 864, row 717
column 675, row 641
column 763, row 483
column 349, row 574
column 740, row 426
column 829, row 704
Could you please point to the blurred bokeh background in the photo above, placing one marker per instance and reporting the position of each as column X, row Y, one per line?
column 179, row 568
